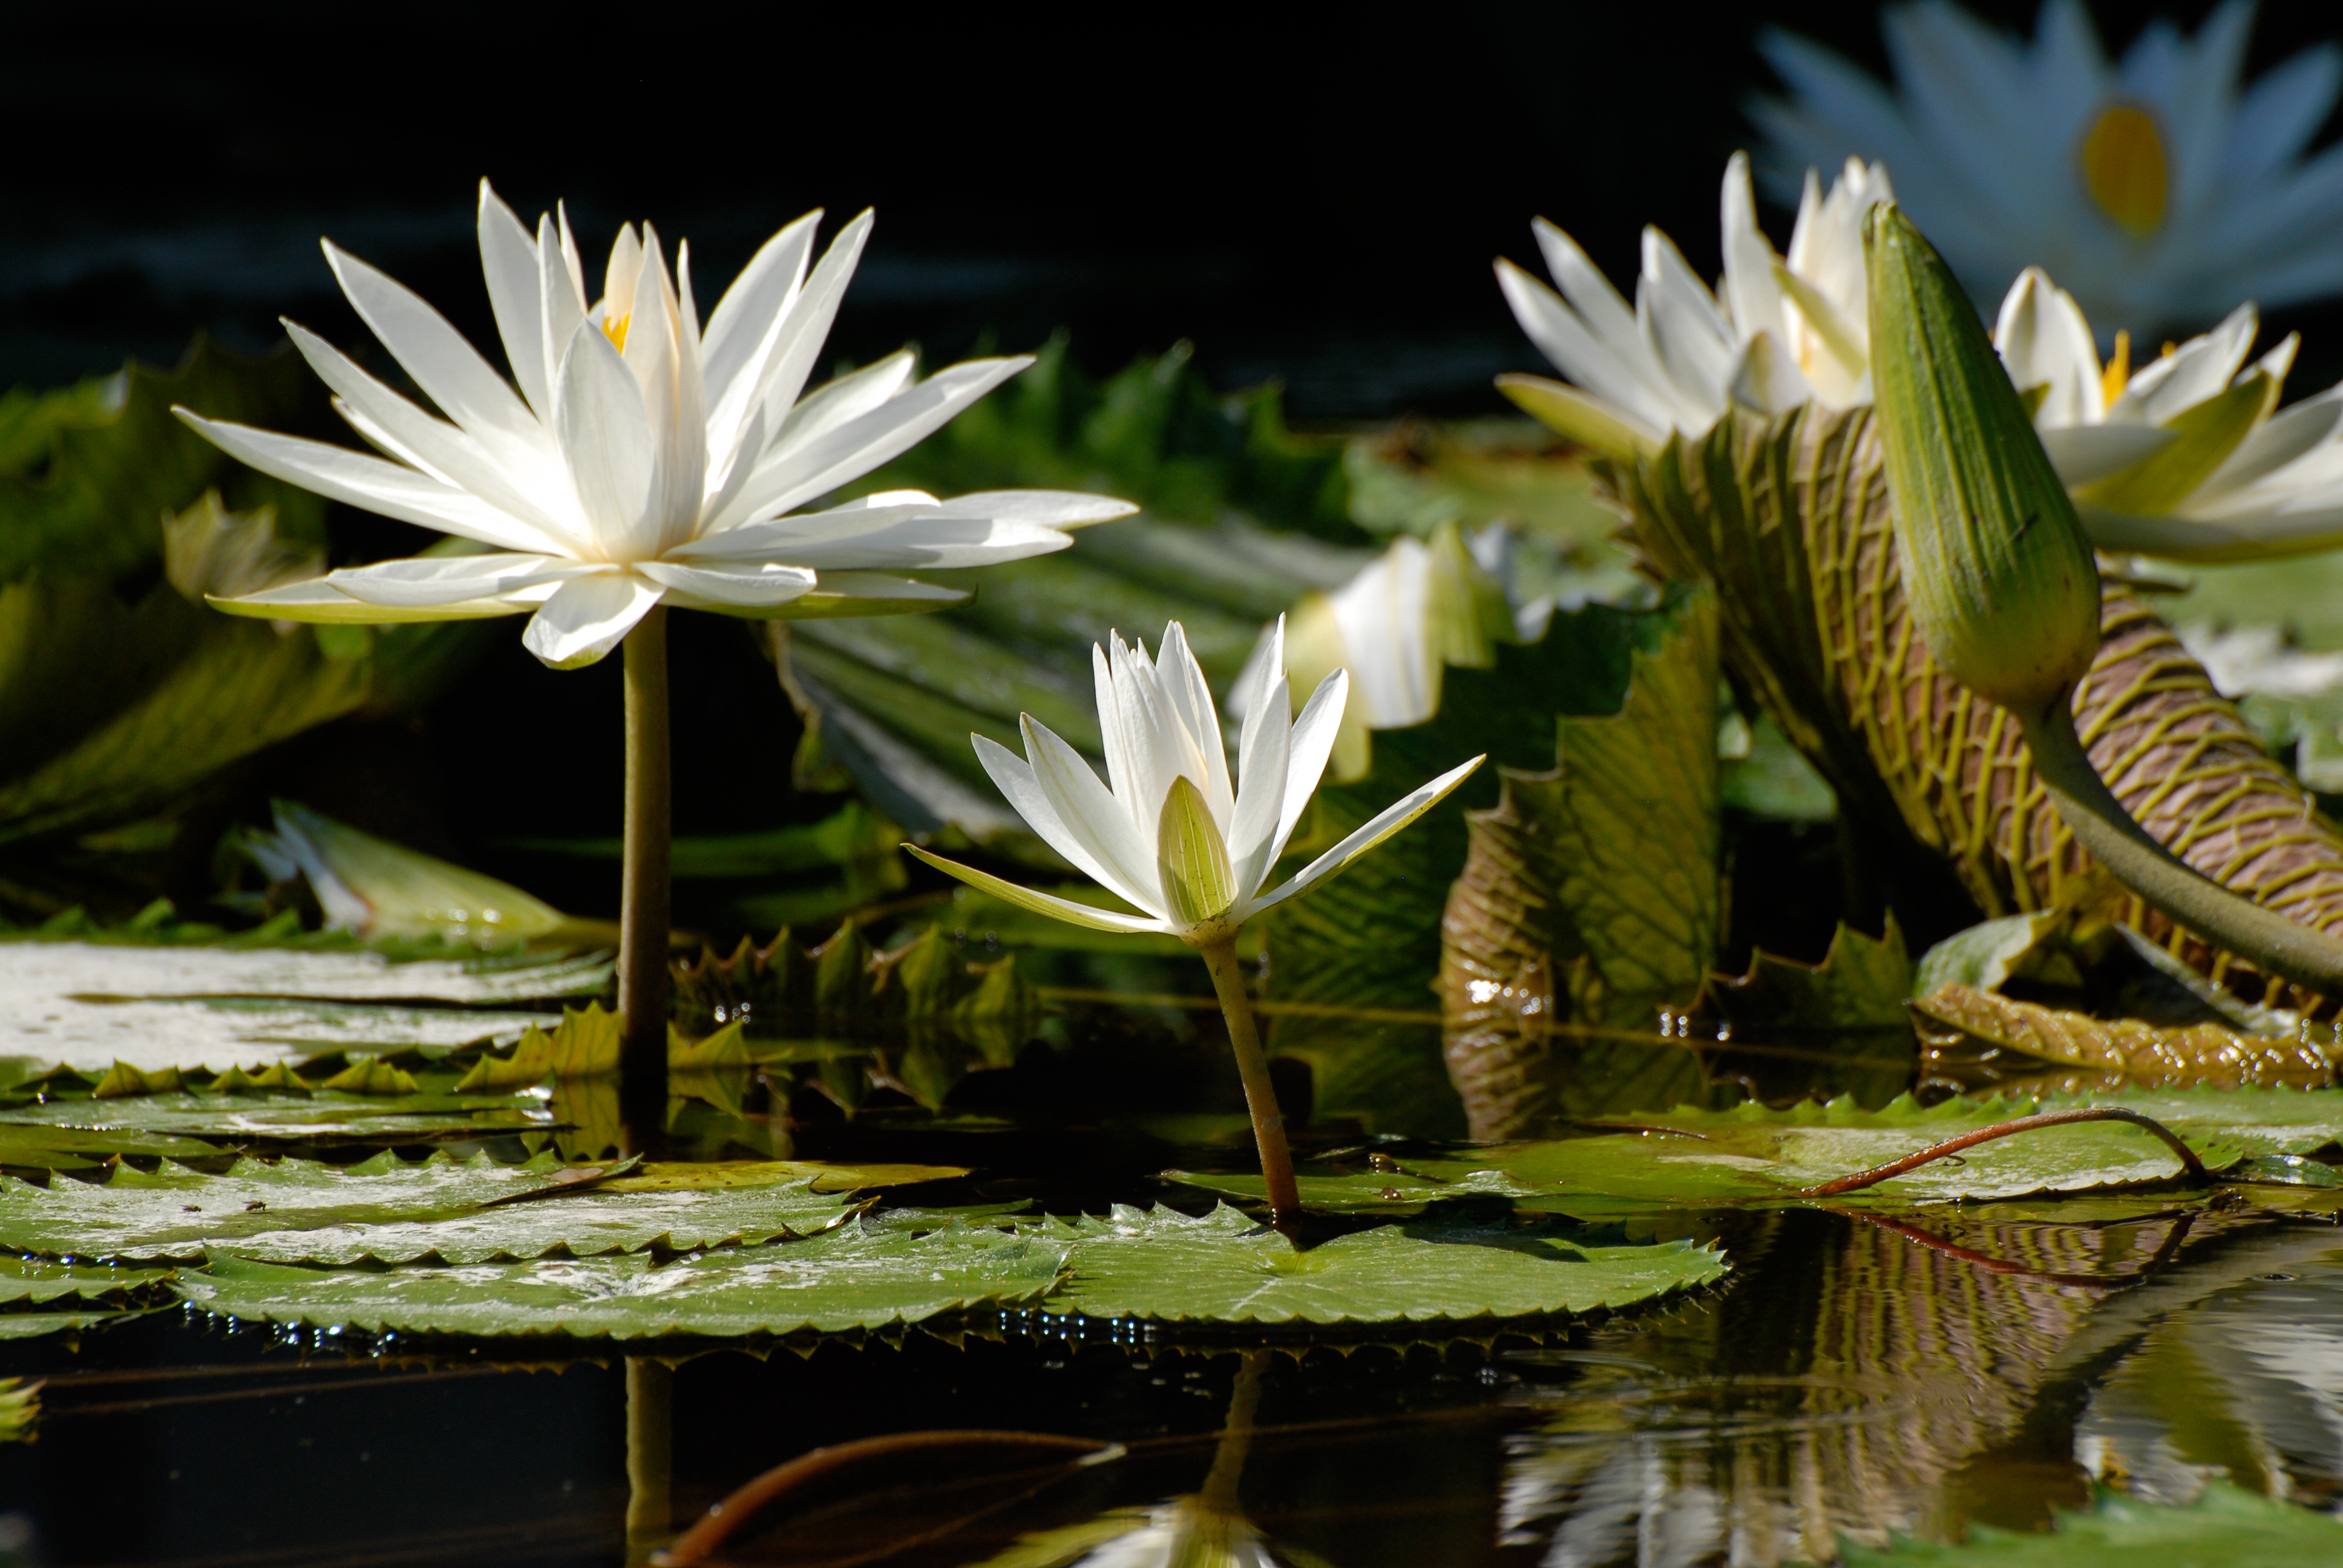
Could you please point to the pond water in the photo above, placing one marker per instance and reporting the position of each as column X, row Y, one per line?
column 1852, row 1377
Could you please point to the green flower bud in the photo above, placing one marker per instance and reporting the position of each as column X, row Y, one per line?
column 1997, row 570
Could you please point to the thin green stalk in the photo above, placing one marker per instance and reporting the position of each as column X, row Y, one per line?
column 1261, row 1096
column 2283, row 947
column 651, row 1510
column 643, row 923
column 1219, row 1493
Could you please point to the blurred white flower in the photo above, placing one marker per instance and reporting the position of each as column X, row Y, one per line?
column 2186, row 457
column 2160, row 189
column 1168, row 833
column 1778, row 333
column 1395, row 627
column 641, row 460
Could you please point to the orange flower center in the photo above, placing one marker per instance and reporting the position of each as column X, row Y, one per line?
column 2125, row 170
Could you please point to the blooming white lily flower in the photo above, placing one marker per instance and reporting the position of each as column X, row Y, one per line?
column 641, row 460
column 2159, row 188
column 1170, row 833
column 2184, row 457
column 1778, row 333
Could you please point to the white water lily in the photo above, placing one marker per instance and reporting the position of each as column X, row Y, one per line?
column 634, row 459
column 1778, row 332
column 2160, row 189
column 1170, row 832
column 1397, row 627
column 2185, row 456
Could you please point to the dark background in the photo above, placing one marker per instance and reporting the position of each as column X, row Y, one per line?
column 1313, row 196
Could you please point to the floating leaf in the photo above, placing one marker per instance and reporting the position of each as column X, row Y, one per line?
column 456, row 1210
column 1693, row 1158
column 166, row 1124
column 1861, row 984
column 2226, row 1524
column 2260, row 1121
column 2144, row 1053
column 1159, row 1264
column 67, row 1148
column 90, row 1005
column 32, row 1325
column 843, row 1279
column 35, row 1283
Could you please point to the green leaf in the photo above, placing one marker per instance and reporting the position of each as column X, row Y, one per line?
column 20, row 1407
column 1861, row 984
column 832, row 1283
column 32, row 1282
column 67, row 1148
column 91, row 1004
column 1161, row 1265
column 165, row 1125
column 2260, row 1121
column 371, row 886
column 2225, row 1526
column 1691, row 1158
column 459, row 1211
column 32, row 1325
column 117, row 459
column 2206, row 432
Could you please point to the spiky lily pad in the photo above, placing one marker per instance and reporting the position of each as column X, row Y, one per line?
column 37, row 1281
column 844, row 1279
column 457, row 1211
column 166, row 1124
column 1225, row 1268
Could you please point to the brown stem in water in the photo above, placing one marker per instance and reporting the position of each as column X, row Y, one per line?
column 1219, row 1493
column 651, row 1389
column 643, row 920
column 2300, row 953
column 742, row 1508
column 1261, row 1095
column 2194, row 1167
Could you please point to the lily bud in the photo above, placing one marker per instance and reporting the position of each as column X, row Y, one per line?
column 1996, row 568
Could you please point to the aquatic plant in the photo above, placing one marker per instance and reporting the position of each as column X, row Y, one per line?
column 641, row 465
column 1174, row 837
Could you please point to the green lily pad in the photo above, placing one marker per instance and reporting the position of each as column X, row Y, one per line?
column 1160, row 1264
column 167, row 1124
column 457, row 1211
column 1693, row 1158
column 37, row 1281
column 32, row 1325
column 53, row 1148
column 20, row 1407
column 2226, row 1525
column 91, row 1004
column 844, row 1279
column 2260, row 1121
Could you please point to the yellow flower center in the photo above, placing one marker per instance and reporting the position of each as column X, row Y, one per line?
column 614, row 328
column 2117, row 375
column 2124, row 168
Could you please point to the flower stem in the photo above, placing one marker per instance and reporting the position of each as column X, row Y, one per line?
column 643, row 923
column 650, row 1449
column 1261, row 1096
column 2290, row 949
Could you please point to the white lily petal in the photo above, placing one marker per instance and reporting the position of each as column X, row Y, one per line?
column 1049, row 509
column 509, row 259
column 861, row 445
column 319, row 602
column 1092, row 818
column 2043, row 340
column 1188, row 696
column 1383, row 824
column 778, row 536
column 749, row 583
column 1263, row 766
column 432, row 445
column 1307, row 748
column 744, row 319
column 368, row 483
column 1250, row 700
column 1014, row 778
column 606, row 441
column 424, row 581
column 777, row 373
column 2082, row 453
column 588, row 617
column 1117, row 742
column 849, row 396
column 1042, row 903
column 923, row 540
column 561, row 300
column 449, row 371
